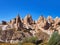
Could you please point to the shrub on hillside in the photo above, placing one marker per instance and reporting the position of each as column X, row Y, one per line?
column 28, row 40
column 55, row 39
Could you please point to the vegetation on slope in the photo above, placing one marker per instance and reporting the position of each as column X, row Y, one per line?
column 55, row 39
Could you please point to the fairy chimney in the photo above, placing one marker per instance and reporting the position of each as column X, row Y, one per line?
column 13, row 21
column 41, row 18
column 28, row 20
column 40, row 21
column 50, row 20
column 57, row 22
column 18, row 22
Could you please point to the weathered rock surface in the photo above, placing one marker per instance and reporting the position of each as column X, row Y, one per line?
column 4, row 22
column 18, row 29
column 28, row 20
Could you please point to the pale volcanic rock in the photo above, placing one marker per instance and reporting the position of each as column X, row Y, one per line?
column 33, row 32
column 14, row 41
column 43, row 23
column 40, row 21
column 18, row 29
column 46, row 25
column 4, row 22
column 27, row 34
column 17, row 35
column 42, row 35
column 57, row 22
column 41, row 18
column 5, row 27
column 28, row 20
column 19, row 23
column 12, row 23
column 6, row 35
column 50, row 20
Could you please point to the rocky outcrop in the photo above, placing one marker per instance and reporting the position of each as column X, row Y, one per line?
column 50, row 20
column 43, row 23
column 4, row 22
column 16, row 23
column 28, row 20
column 42, row 35
column 11, row 35
column 19, row 23
column 18, row 29
column 6, row 35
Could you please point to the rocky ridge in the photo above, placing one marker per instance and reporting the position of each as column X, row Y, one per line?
column 18, row 29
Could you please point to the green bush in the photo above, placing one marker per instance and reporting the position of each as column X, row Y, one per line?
column 55, row 39
column 28, row 40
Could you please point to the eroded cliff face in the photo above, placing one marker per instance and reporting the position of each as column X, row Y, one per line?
column 18, row 29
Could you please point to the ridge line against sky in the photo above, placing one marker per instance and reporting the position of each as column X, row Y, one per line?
column 10, row 8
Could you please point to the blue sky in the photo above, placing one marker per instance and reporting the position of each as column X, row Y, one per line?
column 10, row 8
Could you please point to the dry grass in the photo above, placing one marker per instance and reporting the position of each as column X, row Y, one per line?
column 16, row 44
column 28, row 44
column 7, row 44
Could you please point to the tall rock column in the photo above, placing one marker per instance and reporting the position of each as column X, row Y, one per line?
column 18, row 23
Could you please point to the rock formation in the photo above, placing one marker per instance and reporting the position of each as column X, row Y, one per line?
column 19, row 24
column 18, row 29
column 28, row 20
column 4, row 22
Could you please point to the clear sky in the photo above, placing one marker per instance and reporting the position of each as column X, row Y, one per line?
column 10, row 8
